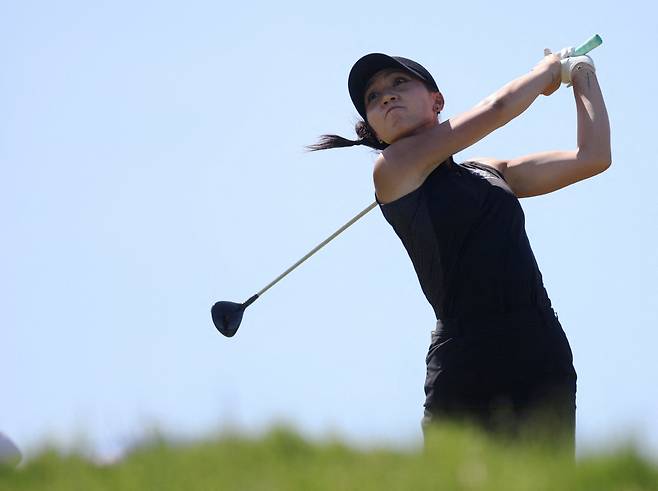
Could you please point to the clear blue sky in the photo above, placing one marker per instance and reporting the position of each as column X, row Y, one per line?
column 152, row 164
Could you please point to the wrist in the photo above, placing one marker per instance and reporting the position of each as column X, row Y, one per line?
column 581, row 68
column 580, row 72
column 551, row 76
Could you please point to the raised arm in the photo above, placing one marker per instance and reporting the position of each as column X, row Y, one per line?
column 412, row 158
column 593, row 124
column 544, row 172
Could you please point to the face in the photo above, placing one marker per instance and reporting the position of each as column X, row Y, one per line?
column 398, row 105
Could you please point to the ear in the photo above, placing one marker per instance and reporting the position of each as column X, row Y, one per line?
column 438, row 101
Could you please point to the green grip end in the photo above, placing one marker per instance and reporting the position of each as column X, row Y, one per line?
column 588, row 45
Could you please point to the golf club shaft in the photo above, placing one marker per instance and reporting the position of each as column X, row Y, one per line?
column 317, row 248
column 587, row 46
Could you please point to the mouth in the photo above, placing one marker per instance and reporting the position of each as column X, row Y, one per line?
column 391, row 108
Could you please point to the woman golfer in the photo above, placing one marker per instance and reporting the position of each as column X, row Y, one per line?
column 498, row 355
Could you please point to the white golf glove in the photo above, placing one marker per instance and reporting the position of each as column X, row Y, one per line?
column 563, row 53
column 569, row 61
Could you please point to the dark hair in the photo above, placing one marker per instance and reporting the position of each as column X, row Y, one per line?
column 364, row 132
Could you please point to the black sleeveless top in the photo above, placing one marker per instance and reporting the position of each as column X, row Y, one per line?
column 464, row 231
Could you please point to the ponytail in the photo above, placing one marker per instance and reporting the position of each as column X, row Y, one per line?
column 364, row 132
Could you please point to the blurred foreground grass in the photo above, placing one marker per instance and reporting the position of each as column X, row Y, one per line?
column 454, row 458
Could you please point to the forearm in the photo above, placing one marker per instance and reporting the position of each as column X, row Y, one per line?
column 516, row 96
column 593, row 124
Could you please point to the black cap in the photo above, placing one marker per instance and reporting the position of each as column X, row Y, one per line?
column 368, row 65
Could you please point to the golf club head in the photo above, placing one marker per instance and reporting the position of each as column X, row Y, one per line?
column 227, row 317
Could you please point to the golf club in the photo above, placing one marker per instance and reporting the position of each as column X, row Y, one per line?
column 227, row 316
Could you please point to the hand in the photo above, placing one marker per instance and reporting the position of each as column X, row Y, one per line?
column 563, row 53
column 551, row 64
column 569, row 64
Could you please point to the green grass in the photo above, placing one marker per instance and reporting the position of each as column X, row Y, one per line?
column 454, row 458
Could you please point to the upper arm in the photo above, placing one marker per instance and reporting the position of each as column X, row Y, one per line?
column 416, row 156
column 544, row 172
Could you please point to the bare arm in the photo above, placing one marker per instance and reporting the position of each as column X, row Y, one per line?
column 412, row 158
column 593, row 124
column 544, row 172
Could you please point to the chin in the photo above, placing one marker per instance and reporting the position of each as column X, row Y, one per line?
column 402, row 134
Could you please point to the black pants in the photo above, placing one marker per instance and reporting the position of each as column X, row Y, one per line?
column 512, row 375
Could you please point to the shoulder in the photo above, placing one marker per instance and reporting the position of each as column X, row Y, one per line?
column 393, row 180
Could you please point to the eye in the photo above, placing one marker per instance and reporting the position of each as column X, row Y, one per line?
column 395, row 82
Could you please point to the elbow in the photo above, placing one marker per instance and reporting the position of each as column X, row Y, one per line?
column 599, row 162
column 499, row 108
column 605, row 161
column 497, row 103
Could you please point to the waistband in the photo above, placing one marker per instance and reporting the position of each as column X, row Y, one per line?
column 537, row 317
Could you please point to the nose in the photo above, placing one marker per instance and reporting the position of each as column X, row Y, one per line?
column 388, row 97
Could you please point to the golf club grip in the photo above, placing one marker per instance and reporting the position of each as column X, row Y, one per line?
column 588, row 45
